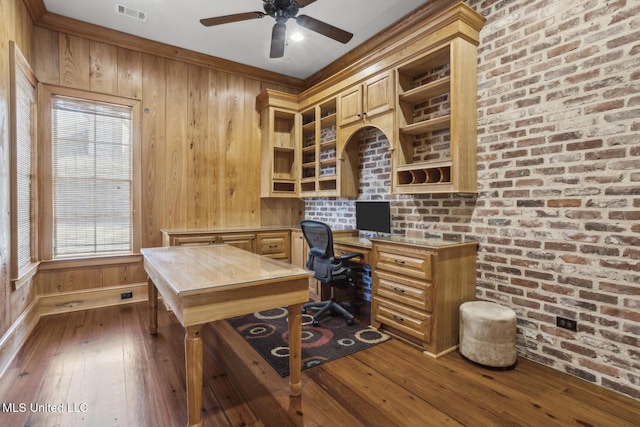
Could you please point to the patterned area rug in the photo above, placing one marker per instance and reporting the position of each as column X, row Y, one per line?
column 267, row 332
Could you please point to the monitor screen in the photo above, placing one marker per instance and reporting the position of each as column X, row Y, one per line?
column 373, row 216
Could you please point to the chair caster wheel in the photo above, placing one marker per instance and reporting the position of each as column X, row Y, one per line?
column 315, row 323
column 350, row 322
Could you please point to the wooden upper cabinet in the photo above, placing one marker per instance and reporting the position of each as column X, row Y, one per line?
column 437, row 146
column 351, row 105
column 364, row 101
column 378, row 95
column 319, row 166
column 422, row 95
column 280, row 124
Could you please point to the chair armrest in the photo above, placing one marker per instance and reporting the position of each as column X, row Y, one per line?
column 348, row 256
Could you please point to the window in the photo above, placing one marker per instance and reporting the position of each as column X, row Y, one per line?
column 91, row 178
column 23, row 178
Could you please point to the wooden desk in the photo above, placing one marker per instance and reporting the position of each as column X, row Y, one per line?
column 346, row 244
column 206, row 283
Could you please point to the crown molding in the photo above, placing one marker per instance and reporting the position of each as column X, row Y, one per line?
column 51, row 21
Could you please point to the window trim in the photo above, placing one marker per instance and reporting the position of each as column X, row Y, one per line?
column 22, row 274
column 47, row 91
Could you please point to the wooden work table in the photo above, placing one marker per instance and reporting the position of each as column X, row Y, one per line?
column 206, row 283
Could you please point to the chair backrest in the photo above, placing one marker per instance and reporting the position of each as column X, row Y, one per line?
column 320, row 240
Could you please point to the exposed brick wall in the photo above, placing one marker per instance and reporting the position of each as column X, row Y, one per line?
column 558, row 207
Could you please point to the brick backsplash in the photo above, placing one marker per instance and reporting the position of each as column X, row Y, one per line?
column 557, row 213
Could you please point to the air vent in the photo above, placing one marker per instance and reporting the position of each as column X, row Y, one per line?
column 131, row 13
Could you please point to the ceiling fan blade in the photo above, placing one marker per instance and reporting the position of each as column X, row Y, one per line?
column 323, row 28
column 219, row 20
column 303, row 3
column 278, row 40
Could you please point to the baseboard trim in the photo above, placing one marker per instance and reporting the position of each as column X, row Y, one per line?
column 46, row 305
column 16, row 336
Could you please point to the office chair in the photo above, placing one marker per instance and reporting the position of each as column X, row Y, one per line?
column 337, row 272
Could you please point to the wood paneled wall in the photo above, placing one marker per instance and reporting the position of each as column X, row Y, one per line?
column 16, row 25
column 201, row 142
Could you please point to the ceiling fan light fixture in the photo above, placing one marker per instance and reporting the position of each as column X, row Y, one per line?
column 297, row 36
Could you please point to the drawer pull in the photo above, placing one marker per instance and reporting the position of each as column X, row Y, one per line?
column 398, row 261
column 398, row 318
column 273, row 246
column 398, row 290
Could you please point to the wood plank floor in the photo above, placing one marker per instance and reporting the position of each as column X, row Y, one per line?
column 102, row 368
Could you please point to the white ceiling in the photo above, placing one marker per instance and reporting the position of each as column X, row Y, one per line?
column 178, row 23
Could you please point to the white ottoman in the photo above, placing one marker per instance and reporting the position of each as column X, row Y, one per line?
column 488, row 333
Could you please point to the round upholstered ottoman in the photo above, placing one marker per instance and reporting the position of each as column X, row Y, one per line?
column 488, row 333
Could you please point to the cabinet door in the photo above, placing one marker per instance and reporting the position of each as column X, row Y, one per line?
column 350, row 102
column 243, row 241
column 299, row 255
column 378, row 95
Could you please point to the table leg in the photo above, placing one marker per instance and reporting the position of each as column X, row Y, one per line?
column 153, row 307
column 295, row 344
column 193, row 358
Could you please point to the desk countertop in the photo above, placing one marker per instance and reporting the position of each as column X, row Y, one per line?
column 191, row 270
column 360, row 242
column 416, row 241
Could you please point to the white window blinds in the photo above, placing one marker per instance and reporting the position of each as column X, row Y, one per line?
column 91, row 177
column 25, row 137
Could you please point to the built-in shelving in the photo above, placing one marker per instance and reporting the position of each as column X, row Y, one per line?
column 281, row 123
column 436, row 121
column 319, row 168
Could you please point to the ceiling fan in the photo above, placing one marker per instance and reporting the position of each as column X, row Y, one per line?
column 282, row 11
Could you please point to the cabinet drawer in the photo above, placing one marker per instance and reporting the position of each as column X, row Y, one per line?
column 341, row 249
column 242, row 241
column 193, row 240
column 273, row 245
column 417, row 294
column 411, row 322
column 405, row 261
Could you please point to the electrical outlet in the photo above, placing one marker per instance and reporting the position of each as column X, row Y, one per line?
column 569, row 324
column 126, row 295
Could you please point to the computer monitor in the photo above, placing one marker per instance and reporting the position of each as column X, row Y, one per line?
column 373, row 216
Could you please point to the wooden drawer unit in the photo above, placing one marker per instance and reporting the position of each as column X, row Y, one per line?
column 405, row 261
column 417, row 289
column 272, row 243
column 275, row 245
column 193, row 240
column 414, row 323
column 409, row 292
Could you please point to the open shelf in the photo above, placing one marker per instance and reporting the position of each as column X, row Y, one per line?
column 424, row 173
column 436, row 121
column 319, row 155
column 280, row 123
column 432, row 125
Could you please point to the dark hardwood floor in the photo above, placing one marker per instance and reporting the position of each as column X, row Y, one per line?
column 102, row 368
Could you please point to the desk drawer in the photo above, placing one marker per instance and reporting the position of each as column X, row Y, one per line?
column 405, row 261
column 341, row 249
column 193, row 240
column 411, row 322
column 417, row 294
column 274, row 245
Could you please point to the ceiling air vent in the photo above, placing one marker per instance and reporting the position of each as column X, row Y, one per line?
column 131, row 13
